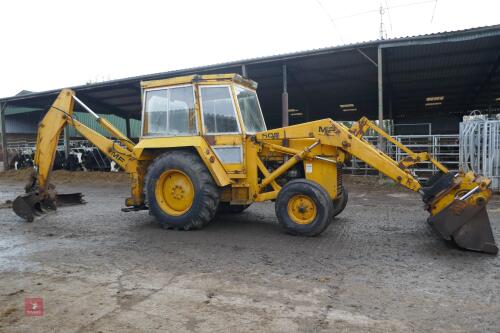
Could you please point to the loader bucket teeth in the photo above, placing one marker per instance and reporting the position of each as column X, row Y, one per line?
column 467, row 225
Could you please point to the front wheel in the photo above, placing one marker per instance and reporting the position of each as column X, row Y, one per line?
column 303, row 208
column 180, row 191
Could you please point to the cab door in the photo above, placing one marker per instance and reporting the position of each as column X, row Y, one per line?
column 221, row 127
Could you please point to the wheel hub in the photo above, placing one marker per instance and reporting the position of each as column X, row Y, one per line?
column 302, row 209
column 174, row 192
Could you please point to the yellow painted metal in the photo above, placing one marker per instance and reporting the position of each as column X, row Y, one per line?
column 234, row 170
column 198, row 79
column 272, row 195
column 123, row 157
column 286, row 166
column 462, row 183
column 147, row 147
column 301, row 209
column 267, row 174
column 116, row 133
column 333, row 134
column 174, row 192
column 324, row 173
column 364, row 124
column 49, row 132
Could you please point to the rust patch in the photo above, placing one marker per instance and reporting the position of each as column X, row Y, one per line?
column 210, row 139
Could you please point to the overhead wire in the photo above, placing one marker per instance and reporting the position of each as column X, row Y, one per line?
column 388, row 15
column 387, row 7
column 377, row 10
column 434, row 10
column 331, row 20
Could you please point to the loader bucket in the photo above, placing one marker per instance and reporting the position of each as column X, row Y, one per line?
column 31, row 206
column 465, row 219
column 467, row 225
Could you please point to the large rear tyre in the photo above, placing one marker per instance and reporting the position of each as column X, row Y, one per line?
column 180, row 191
column 340, row 203
column 303, row 208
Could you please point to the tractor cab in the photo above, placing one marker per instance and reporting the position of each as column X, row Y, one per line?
column 225, row 104
column 223, row 109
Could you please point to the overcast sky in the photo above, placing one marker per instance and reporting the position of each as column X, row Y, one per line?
column 53, row 44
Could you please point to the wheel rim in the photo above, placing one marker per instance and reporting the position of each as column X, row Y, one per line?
column 174, row 192
column 302, row 209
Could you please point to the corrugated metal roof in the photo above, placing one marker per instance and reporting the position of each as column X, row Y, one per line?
column 457, row 35
column 458, row 64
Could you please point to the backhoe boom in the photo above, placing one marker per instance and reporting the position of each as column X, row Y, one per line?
column 40, row 196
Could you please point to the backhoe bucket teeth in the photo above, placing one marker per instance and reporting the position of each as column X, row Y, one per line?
column 31, row 206
column 467, row 225
column 69, row 199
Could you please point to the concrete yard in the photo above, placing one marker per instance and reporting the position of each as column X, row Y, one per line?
column 377, row 268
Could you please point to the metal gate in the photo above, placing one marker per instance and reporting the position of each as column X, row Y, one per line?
column 480, row 149
column 443, row 147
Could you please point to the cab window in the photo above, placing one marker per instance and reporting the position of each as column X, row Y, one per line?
column 250, row 110
column 169, row 112
column 219, row 114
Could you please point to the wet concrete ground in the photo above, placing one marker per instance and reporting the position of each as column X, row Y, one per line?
column 377, row 268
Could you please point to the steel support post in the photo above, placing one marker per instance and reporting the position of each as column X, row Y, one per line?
column 284, row 100
column 380, row 98
column 380, row 102
column 244, row 70
column 66, row 141
column 3, row 108
column 128, row 132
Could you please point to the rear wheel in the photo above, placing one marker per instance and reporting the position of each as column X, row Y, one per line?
column 180, row 191
column 340, row 202
column 303, row 208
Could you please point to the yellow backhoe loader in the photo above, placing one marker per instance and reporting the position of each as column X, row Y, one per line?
column 205, row 148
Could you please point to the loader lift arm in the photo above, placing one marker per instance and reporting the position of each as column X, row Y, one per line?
column 360, row 128
column 331, row 133
column 456, row 202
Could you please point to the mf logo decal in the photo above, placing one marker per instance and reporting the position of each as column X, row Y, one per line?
column 117, row 156
column 328, row 130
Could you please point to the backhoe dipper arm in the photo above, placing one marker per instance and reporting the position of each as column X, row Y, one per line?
column 51, row 126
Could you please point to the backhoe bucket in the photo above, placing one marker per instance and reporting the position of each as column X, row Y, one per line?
column 31, row 206
column 467, row 225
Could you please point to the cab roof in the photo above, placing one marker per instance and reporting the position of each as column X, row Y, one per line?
column 200, row 79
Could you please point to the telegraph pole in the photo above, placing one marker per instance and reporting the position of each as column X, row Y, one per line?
column 381, row 32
